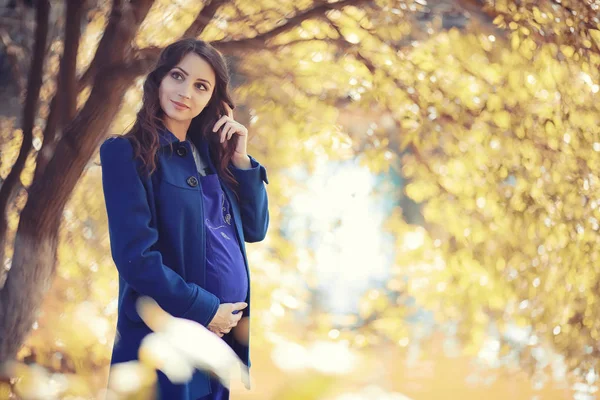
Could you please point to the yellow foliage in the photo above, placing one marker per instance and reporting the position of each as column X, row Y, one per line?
column 500, row 140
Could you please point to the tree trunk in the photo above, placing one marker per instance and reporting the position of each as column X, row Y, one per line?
column 37, row 236
column 36, row 241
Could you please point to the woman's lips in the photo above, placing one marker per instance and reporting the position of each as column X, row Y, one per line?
column 179, row 106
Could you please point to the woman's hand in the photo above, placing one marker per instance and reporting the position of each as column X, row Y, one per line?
column 224, row 320
column 231, row 127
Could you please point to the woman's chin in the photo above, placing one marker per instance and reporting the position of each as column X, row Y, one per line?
column 178, row 116
column 177, row 113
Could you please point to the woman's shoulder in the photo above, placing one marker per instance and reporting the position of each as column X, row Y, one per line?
column 116, row 147
column 118, row 152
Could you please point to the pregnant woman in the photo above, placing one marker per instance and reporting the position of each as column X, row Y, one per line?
column 182, row 196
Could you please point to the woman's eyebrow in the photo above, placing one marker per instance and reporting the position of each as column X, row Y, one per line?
column 187, row 74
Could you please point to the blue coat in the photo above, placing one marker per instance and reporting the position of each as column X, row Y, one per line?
column 157, row 240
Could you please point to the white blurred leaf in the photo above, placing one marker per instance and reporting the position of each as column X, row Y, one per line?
column 178, row 345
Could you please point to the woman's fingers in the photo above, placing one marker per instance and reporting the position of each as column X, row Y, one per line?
column 230, row 133
column 220, row 122
column 216, row 332
column 228, row 109
column 239, row 306
column 225, row 133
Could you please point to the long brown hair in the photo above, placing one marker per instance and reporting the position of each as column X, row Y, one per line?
column 144, row 134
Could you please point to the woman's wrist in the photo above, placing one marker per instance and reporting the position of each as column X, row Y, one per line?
column 241, row 161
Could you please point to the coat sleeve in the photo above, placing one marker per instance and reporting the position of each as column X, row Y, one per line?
column 132, row 239
column 254, row 205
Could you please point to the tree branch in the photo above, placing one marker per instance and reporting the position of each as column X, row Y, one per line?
column 258, row 42
column 31, row 102
column 14, row 53
column 124, row 20
column 336, row 42
column 68, row 76
column 151, row 53
column 204, row 17
column 11, row 184
column 64, row 103
column 480, row 8
column 124, row 16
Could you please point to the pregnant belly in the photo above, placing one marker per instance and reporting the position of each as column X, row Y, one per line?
column 226, row 275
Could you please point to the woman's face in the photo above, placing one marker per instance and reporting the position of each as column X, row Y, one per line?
column 185, row 90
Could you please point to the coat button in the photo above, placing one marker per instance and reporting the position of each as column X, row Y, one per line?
column 192, row 181
column 181, row 151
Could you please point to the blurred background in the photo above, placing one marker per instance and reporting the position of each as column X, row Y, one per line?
column 434, row 191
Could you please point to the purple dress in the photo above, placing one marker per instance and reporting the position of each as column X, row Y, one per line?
column 225, row 269
column 226, row 275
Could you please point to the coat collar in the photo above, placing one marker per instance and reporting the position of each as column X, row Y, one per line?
column 166, row 138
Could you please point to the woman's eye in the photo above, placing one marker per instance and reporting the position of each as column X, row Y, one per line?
column 175, row 75
column 200, row 86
